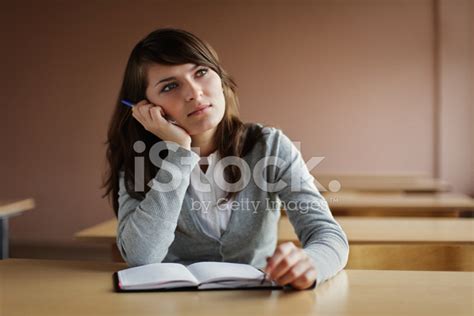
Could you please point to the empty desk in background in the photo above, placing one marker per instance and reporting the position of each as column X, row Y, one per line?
column 399, row 204
column 9, row 208
column 384, row 183
column 44, row 287
column 376, row 243
column 105, row 232
column 437, row 244
column 402, row 230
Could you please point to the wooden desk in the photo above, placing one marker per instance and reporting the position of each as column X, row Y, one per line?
column 384, row 183
column 377, row 243
column 9, row 208
column 399, row 230
column 358, row 230
column 399, row 204
column 105, row 232
column 435, row 244
column 43, row 287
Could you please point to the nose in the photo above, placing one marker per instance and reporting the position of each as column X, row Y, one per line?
column 193, row 91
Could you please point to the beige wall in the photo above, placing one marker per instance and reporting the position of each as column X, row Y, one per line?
column 456, row 133
column 353, row 80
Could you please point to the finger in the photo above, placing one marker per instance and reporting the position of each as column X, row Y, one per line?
column 305, row 280
column 156, row 113
column 144, row 110
column 281, row 251
column 136, row 113
column 294, row 272
column 285, row 264
column 138, row 104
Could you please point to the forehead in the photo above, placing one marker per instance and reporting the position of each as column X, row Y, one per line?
column 159, row 71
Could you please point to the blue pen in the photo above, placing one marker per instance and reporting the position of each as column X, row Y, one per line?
column 127, row 103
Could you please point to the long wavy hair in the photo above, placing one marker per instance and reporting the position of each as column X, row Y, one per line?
column 168, row 46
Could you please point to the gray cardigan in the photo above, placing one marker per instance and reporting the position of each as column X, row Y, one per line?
column 163, row 226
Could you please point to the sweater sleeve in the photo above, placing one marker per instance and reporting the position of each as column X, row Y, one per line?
column 146, row 227
column 321, row 237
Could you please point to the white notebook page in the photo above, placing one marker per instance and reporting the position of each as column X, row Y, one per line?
column 209, row 271
column 155, row 274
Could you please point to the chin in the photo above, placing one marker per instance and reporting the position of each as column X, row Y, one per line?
column 202, row 128
column 205, row 125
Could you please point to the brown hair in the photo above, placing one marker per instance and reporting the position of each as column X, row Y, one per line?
column 168, row 46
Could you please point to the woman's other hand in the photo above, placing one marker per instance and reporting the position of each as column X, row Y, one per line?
column 291, row 265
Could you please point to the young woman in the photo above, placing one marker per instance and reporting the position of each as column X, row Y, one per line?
column 189, row 181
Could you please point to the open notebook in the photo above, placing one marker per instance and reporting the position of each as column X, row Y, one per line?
column 198, row 276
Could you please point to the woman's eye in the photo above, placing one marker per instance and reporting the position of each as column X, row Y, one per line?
column 205, row 70
column 167, row 86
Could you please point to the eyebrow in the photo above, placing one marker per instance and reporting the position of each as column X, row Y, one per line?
column 172, row 78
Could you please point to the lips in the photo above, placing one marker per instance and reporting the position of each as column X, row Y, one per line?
column 199, row 108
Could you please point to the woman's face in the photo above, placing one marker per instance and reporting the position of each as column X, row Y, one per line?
column 182, row 89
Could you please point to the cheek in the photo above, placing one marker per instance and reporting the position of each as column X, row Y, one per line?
column 214, row 83
column 216, row 91
column 151, row 97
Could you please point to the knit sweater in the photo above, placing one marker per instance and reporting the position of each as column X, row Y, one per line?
column 163, row 227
